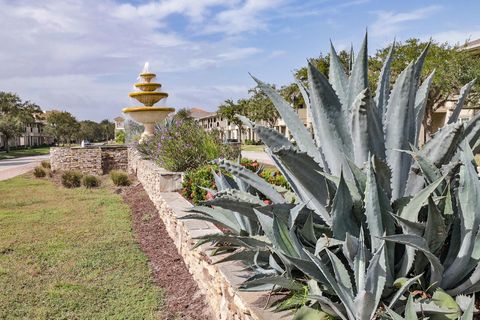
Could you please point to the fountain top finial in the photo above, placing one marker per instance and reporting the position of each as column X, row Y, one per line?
column 146, row 67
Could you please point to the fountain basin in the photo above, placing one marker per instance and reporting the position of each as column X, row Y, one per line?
column 147, row 76
column 148, row 98
column 151, row 86
column 148, row 116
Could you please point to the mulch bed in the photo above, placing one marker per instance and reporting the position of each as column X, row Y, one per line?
column 183, row 297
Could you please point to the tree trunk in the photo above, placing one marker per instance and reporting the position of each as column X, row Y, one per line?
column 7, row 144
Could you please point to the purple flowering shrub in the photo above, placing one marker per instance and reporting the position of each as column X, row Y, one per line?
column 183, row 145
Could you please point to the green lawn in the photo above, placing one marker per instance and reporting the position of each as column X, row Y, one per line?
column 24, row 153
column 70, row 254
column 258, row 148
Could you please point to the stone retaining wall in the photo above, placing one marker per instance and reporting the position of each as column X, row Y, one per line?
column 90, row 160
column 219, row 282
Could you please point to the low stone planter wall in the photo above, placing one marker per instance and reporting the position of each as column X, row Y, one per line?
column 219, row 282
column 96, row 160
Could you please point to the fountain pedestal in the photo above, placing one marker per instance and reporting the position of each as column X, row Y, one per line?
column 148, row 95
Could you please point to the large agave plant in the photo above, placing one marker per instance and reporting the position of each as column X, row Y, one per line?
column 376, row 215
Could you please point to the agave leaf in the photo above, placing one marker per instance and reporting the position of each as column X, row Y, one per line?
column 217, row 215
column 393, row 314
column 358, row 80
column 252, row 179
column 307, row 313
column 283, row 239
column 435, row 232
column 246, row 121
column 307, row 231
column 464, row 92
column 405, row 286
column 429, row 171
column 341, row 273
column 221, row 182
column 294, row 124
column 421, row 99
column 276, row 280
column 440, row 149
column 410, row 227
column 337, row 76
column 366, row 129
column 419, row 64
column 468, row 314
column 468, row 198
column 410, row 313
column 420, row 244
column 246, row 256
column 375, row 282
column 360, row 264
column 343, row 219
column 329, row 123
column 272, row 138
column 342, row 293
column 306, row 180
column 411, row 210
column 325, row 242
column 383, row 87
column 446, row 303
column 243, row 241
column 398, row 135
column 472, row 132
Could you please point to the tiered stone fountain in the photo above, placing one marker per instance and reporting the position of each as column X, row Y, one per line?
column 148, row 94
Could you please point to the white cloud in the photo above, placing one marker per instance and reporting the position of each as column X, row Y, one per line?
column 246, row 17
column 388, row 22
column 457, row 36
column 84, row 55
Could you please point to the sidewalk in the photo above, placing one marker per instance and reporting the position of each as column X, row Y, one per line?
column 261, row 157
column 10, row 168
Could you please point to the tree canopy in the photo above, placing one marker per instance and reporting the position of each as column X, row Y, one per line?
column 15, row 115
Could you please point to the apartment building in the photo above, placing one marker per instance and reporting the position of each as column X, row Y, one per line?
column 33, row 136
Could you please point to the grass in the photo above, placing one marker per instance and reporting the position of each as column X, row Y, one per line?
column 24, row 153
column 255, row 148
column 70, row 254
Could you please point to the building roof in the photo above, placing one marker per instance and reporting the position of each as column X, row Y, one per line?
column 472, row 46
column 198, row 113
column 119, row 118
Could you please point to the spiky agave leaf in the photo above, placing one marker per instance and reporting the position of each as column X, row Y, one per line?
column 464, row 91
column 383, row 88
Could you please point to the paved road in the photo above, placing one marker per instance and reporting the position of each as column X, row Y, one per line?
column 260, row 156
column 10, row 168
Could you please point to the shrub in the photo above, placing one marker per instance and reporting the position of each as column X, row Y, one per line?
column 184, row 145
column 46, row 164
column 120, row 137
column 120, row 178
column 39, row 172
column 90, row 181
column 382, row 225
column 195, row 180
column 72, row 179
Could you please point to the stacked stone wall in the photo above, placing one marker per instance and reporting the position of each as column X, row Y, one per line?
column 90, row 160
column 219, row 282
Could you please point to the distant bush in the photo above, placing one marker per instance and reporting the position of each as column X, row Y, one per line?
column 253, row 142
column 120, row 137
column 39, row 172
column 119, row 178
column 46, row 164
column 71, row 179
column 90, row 182
column 195, row 180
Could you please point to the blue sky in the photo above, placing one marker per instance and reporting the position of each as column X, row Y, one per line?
column 84, row 56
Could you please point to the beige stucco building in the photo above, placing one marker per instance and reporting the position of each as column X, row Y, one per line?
column 230, row 131
column 33, row 136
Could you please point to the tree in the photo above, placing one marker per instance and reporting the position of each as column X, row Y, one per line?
column 260, row 108
column 15, row 116
column 453, row 69
column 183, row 114
column 108, row 129
column 230, row 109
column 90, row 130
column 62, row 126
